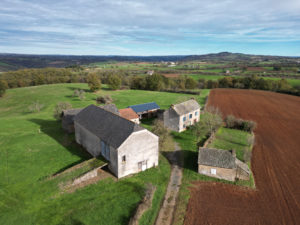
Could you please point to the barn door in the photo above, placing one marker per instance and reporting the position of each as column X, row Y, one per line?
column 142, row 165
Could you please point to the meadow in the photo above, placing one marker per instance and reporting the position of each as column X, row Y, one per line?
column 34, row 147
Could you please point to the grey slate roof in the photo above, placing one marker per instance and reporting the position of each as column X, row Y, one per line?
column 109, row 127
column 111, row 107
column 216, row 157
column 144, row 107
column 186, row 107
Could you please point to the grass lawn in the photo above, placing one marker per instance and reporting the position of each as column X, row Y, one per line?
column 35, row 147
column 229, row 139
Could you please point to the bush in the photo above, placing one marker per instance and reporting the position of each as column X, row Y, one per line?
column 236, row 123
column 59, row 109
column 166, row 142
column 3, row 87
column 35, row 107
column 106, row 99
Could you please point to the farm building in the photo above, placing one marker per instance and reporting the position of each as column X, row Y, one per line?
column 222, row 164
column 182, row 115
column 146, row 110
column 128, row 147
column 111, row 107
column 129, row 114
column 150, row 72
column 67, row 119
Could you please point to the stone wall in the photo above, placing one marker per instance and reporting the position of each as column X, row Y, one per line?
column 221, row 173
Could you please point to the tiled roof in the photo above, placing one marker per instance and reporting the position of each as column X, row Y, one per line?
column 128, row 113
column 186, row 107
column 216, row 157
column 109, row 127
column 144, row 107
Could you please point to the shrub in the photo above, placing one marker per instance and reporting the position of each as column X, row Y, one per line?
column 106, row 99
column 230, row 121
column 59, row 109
column 35, row 107
column 3, row 87
column 166, row 142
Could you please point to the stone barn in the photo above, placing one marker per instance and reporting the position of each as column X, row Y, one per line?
column 222, row 164
column 67, row 119
column 146, row 110
column 128, row 147
column 178, row 117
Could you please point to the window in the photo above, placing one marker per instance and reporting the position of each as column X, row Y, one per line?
column 213, row 171
column 196, row 113
column 184, row 118
column 191, row 115
column 124, row 159
column 183, row 125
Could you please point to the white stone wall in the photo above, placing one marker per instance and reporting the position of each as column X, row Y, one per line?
column 139, row 146
column 189, row 121
column 137, row 121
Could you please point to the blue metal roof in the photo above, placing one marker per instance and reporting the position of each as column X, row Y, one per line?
column 144, row 107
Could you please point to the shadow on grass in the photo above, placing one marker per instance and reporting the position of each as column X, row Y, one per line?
column 53, row 129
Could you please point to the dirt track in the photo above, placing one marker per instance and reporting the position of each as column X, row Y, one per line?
column 275, row 164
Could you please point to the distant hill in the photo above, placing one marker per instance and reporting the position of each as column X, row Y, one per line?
column 20, row 61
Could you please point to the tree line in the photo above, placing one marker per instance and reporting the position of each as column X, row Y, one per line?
column 117, row 79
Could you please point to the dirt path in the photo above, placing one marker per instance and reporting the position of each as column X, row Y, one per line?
column 166, row 212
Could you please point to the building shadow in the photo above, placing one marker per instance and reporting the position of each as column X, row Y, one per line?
column 53, row 129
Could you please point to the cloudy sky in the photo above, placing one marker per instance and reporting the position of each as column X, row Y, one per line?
column 150, row 27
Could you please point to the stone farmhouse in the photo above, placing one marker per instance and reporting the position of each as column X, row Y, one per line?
column 128, row 147
column 178, row 117
column 129, row 114
column 222, row 164
column 146, row 110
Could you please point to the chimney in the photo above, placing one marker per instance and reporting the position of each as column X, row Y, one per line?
column 233, row 153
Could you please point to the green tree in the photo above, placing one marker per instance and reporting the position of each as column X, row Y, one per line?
column 59, row 109
column 154, row 82
column 3, row 87
column 114, row 82
column 166, row 142
column 190, row 83
column 93, row 82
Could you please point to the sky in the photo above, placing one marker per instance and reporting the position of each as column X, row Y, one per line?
column 150, row 27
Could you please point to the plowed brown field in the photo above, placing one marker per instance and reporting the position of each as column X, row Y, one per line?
column 275, row 164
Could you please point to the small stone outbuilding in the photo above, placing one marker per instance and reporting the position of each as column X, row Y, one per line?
column 67, row 119
column 128, row 147
column 178, row 117
column 222, row 164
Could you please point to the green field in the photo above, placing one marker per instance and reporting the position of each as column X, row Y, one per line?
column 229, row 139
column 35, row 147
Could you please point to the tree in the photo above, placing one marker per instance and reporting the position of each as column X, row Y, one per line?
column 190, row 83
column 210, row 121
column 59, row 109
column 114, row 82
column 93, row 82
column 154, row 82
column 166, row 142
column 3, row 87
